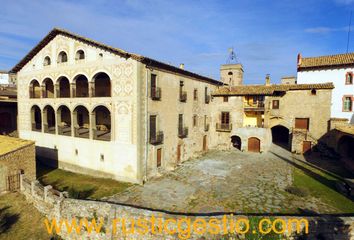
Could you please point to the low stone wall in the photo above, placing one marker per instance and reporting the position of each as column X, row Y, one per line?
column 54, row 204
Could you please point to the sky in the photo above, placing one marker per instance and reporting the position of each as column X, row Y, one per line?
column 266, row 35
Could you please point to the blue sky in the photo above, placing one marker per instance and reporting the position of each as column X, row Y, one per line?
column 266, row 35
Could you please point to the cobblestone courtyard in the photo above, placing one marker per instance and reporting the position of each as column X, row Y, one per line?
column 229, row 181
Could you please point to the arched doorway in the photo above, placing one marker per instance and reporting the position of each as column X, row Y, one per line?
column 48, row 88
column 34, row 89
column 254, row 144
column 281, row 136
column 345, row 147
column 82, row 86
column 236, row 142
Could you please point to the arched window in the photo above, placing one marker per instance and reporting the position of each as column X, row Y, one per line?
column 49, row 119
column 63, row 90
column 64, row 120
column 82, row 87
column 80, row 55
column 102, row 84
column 102, row 127
column 36, row 118
column 81, row 122
column 62, row 57
column 34, row 89
column 48, row 88
column 46, row 61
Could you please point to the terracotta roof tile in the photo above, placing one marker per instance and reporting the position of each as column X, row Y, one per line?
column 245, row 90
column 327, row 61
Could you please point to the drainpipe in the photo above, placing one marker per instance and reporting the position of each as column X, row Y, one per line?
column 146, row 123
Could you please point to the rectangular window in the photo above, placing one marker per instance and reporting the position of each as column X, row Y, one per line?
column 226, row 98
column 275, row 104
column 347, row 104
column 195, row 94
column 225, row 117
column 349, row 78
column 195, row 120
column 153, row 127
column 302, row 123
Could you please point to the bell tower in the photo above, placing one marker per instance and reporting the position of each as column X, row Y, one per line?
column 231, row 73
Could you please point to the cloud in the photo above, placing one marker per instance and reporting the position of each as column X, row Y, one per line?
column 325, row 30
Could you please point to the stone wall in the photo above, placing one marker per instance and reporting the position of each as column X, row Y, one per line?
column 22, row 160
column 54, row 204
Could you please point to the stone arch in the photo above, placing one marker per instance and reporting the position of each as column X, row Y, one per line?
column 101, row 83
column 64, row 120
column 36, row 118
column 48, row 88
column 63, row 87
column 102, row 123
column 49, row 119
column 236, row 142
column 281, row 136
column 81, row 121
column 34, row 89
column 81, row 86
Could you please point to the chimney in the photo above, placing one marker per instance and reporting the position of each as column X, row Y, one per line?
column 267, row 80
column 181, row 66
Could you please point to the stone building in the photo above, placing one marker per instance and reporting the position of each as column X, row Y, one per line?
column 333, row 68
column 99, row 110
column 254, row 116
column 16, row 156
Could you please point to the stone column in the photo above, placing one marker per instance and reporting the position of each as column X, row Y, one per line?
column 93, row 130
column 91, row 86
column 73, row 123
column 56, row 90
column 73, row 90
column 58, row 130
column 44, row 119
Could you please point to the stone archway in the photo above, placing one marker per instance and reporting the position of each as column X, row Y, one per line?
column 281, row 136
column 236, row 142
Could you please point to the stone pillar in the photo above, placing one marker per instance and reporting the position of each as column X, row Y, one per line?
column 43, row 91
column 44, row 119
column 91, row 86
column 93, row 130
column 56, row 90
column 58, row 130
column 33, row 184
column 74, row 123
column 73, row 90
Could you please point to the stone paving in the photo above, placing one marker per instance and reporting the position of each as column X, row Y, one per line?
column 223, row 181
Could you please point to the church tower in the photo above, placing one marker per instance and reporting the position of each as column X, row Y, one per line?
column 232, row 72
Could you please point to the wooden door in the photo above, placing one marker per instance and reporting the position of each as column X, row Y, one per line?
column 205, row 146
column 158, row 157
column 254, row 145
column 178, row 154
column 306, row 147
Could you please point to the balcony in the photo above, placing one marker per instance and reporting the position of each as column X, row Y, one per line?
column 207, row 99
column 156, row 94
column 183, row 96
column 223, row 127
column 157, row 139
column 206, row 127
column 182, row 132
column 257, row 106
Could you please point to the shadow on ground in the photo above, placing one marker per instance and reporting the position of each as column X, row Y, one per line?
column 7, row 220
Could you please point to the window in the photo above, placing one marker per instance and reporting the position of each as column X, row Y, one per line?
column 195, row 94
column 195, row 120
column 207, row 97
column 153, row 127
column 62, row 57
column 313, row 92
column 182, row 94
column 155, row 92
column 46, row 61
column 347, row 104
column 349, row 78
column 275, row 104
column 302, row 123
column 226, row 98
column 225, row 117
column 80, row 55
